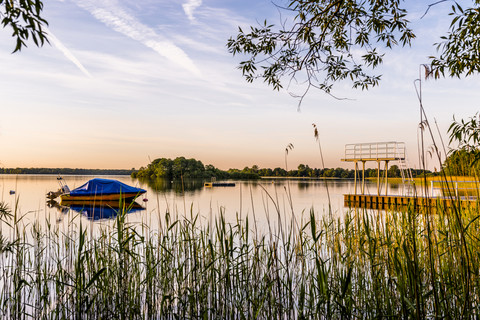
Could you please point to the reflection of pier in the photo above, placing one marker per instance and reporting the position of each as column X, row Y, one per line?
column 380, row 152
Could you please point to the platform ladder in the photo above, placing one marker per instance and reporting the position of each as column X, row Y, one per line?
column 407, row 177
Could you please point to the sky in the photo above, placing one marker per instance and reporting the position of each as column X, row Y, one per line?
column 125, row 82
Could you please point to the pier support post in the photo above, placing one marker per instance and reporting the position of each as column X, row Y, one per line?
column 355, row 185
column 363, row 177
column 386, row 177
column 378, row 177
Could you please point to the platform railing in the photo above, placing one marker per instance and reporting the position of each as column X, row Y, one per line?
column 376, row 150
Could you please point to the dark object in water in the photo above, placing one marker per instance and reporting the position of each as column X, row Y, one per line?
column 12, row 191
column 219, row 184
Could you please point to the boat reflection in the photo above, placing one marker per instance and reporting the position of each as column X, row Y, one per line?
column 95, row 210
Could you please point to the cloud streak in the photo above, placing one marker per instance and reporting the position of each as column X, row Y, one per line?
column 112, row 15
column 60, row 46
column 190, row 7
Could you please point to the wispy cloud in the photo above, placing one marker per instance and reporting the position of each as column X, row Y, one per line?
column 111, row 14
column 60, row 46
column 190, row 7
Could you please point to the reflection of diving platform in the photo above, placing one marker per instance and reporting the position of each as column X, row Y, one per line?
column 378, row 152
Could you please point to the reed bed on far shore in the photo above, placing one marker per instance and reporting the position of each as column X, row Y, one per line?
column 364, row 265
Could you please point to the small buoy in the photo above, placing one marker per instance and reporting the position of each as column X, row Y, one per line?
column 145, row 200
column 12, row 191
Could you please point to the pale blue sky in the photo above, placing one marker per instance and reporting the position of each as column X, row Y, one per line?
column 128, row 81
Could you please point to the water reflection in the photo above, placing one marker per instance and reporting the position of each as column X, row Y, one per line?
column 246, row 198
column 307, row 183
column 178, row 186
column 95, row 211
column 395, row 186
column 303, row 185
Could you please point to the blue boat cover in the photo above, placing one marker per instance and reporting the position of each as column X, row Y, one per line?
column 104, row 186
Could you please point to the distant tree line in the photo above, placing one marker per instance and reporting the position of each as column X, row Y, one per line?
column 462, row 162
column 66, row 171
column 181, row 167
column 304, row 171
column 190, row 168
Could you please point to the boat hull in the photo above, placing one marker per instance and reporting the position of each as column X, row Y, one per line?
column 102, row 203
column 101, row 197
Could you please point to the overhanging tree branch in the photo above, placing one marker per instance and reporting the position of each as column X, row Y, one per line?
column 24, row 18
column 323, row 44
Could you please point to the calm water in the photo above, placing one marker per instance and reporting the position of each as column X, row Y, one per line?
column 260, row 200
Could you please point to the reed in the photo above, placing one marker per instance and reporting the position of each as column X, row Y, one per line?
column 363, row 265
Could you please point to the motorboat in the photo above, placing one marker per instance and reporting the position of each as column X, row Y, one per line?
column 97, row 190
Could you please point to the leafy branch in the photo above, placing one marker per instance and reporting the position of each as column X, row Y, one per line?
column 25, row 20
column 327, row 42
column 459, row 49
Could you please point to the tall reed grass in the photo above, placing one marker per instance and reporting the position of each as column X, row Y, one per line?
column 365, row 264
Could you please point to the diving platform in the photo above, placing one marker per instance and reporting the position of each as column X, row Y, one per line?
column 379, row 152
column 449, row 193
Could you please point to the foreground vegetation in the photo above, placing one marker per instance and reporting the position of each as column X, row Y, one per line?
column 313, row 266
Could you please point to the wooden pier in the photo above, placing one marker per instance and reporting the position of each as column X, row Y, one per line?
column 398, row 201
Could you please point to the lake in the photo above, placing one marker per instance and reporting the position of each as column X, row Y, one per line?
column 260, row 200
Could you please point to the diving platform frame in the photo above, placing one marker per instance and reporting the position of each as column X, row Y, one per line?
column 385, row 152
column 380, row 152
